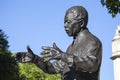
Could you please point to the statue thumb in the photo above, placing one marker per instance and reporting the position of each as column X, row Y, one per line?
column 29, row 50
column 56, row 47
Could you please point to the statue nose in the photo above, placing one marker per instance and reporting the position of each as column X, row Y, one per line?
column 65, row 25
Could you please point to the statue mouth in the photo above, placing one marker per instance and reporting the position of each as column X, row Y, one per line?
column 67, row 31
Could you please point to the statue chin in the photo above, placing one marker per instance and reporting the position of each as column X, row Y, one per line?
column 69, row 33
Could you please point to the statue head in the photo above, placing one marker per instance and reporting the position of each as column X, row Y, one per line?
column 75, row 20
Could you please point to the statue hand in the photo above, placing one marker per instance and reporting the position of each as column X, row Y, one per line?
column 51, row 52
column 25, row 56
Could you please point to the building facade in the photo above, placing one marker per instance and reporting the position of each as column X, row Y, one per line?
column 116, row 53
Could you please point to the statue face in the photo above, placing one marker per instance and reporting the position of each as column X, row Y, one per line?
column 71, row 24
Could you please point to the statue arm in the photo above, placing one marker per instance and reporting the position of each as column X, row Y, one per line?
column 91, row 60
column 46, row 66
column 29, row 56
column 54, row 67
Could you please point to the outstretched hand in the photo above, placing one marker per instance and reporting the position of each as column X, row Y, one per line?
column 51, row 52
column 25, row 56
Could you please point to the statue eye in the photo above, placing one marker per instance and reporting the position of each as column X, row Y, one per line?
column 68, row 21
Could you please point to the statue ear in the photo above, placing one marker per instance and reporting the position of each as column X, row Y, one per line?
column 81, row 21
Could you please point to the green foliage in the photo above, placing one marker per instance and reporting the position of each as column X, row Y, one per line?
column 3, row 42
column 113, row 6
column 29, row 71
column 8, row 65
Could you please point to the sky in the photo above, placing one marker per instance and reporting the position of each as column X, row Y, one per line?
column 41, row 23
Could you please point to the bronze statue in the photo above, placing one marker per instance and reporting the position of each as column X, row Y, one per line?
column 82, row 59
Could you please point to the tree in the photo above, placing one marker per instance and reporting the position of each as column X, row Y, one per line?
column 29, row 71
column 113, row 6
column 8, row 65
column 3, row 42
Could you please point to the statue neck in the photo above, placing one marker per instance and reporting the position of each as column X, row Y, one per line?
column 82, row 29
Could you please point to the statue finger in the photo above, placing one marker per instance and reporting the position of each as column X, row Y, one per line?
column 46, row 48
column 46, row 56
column 45, row 52
column 26, row 59
column 56, row 47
